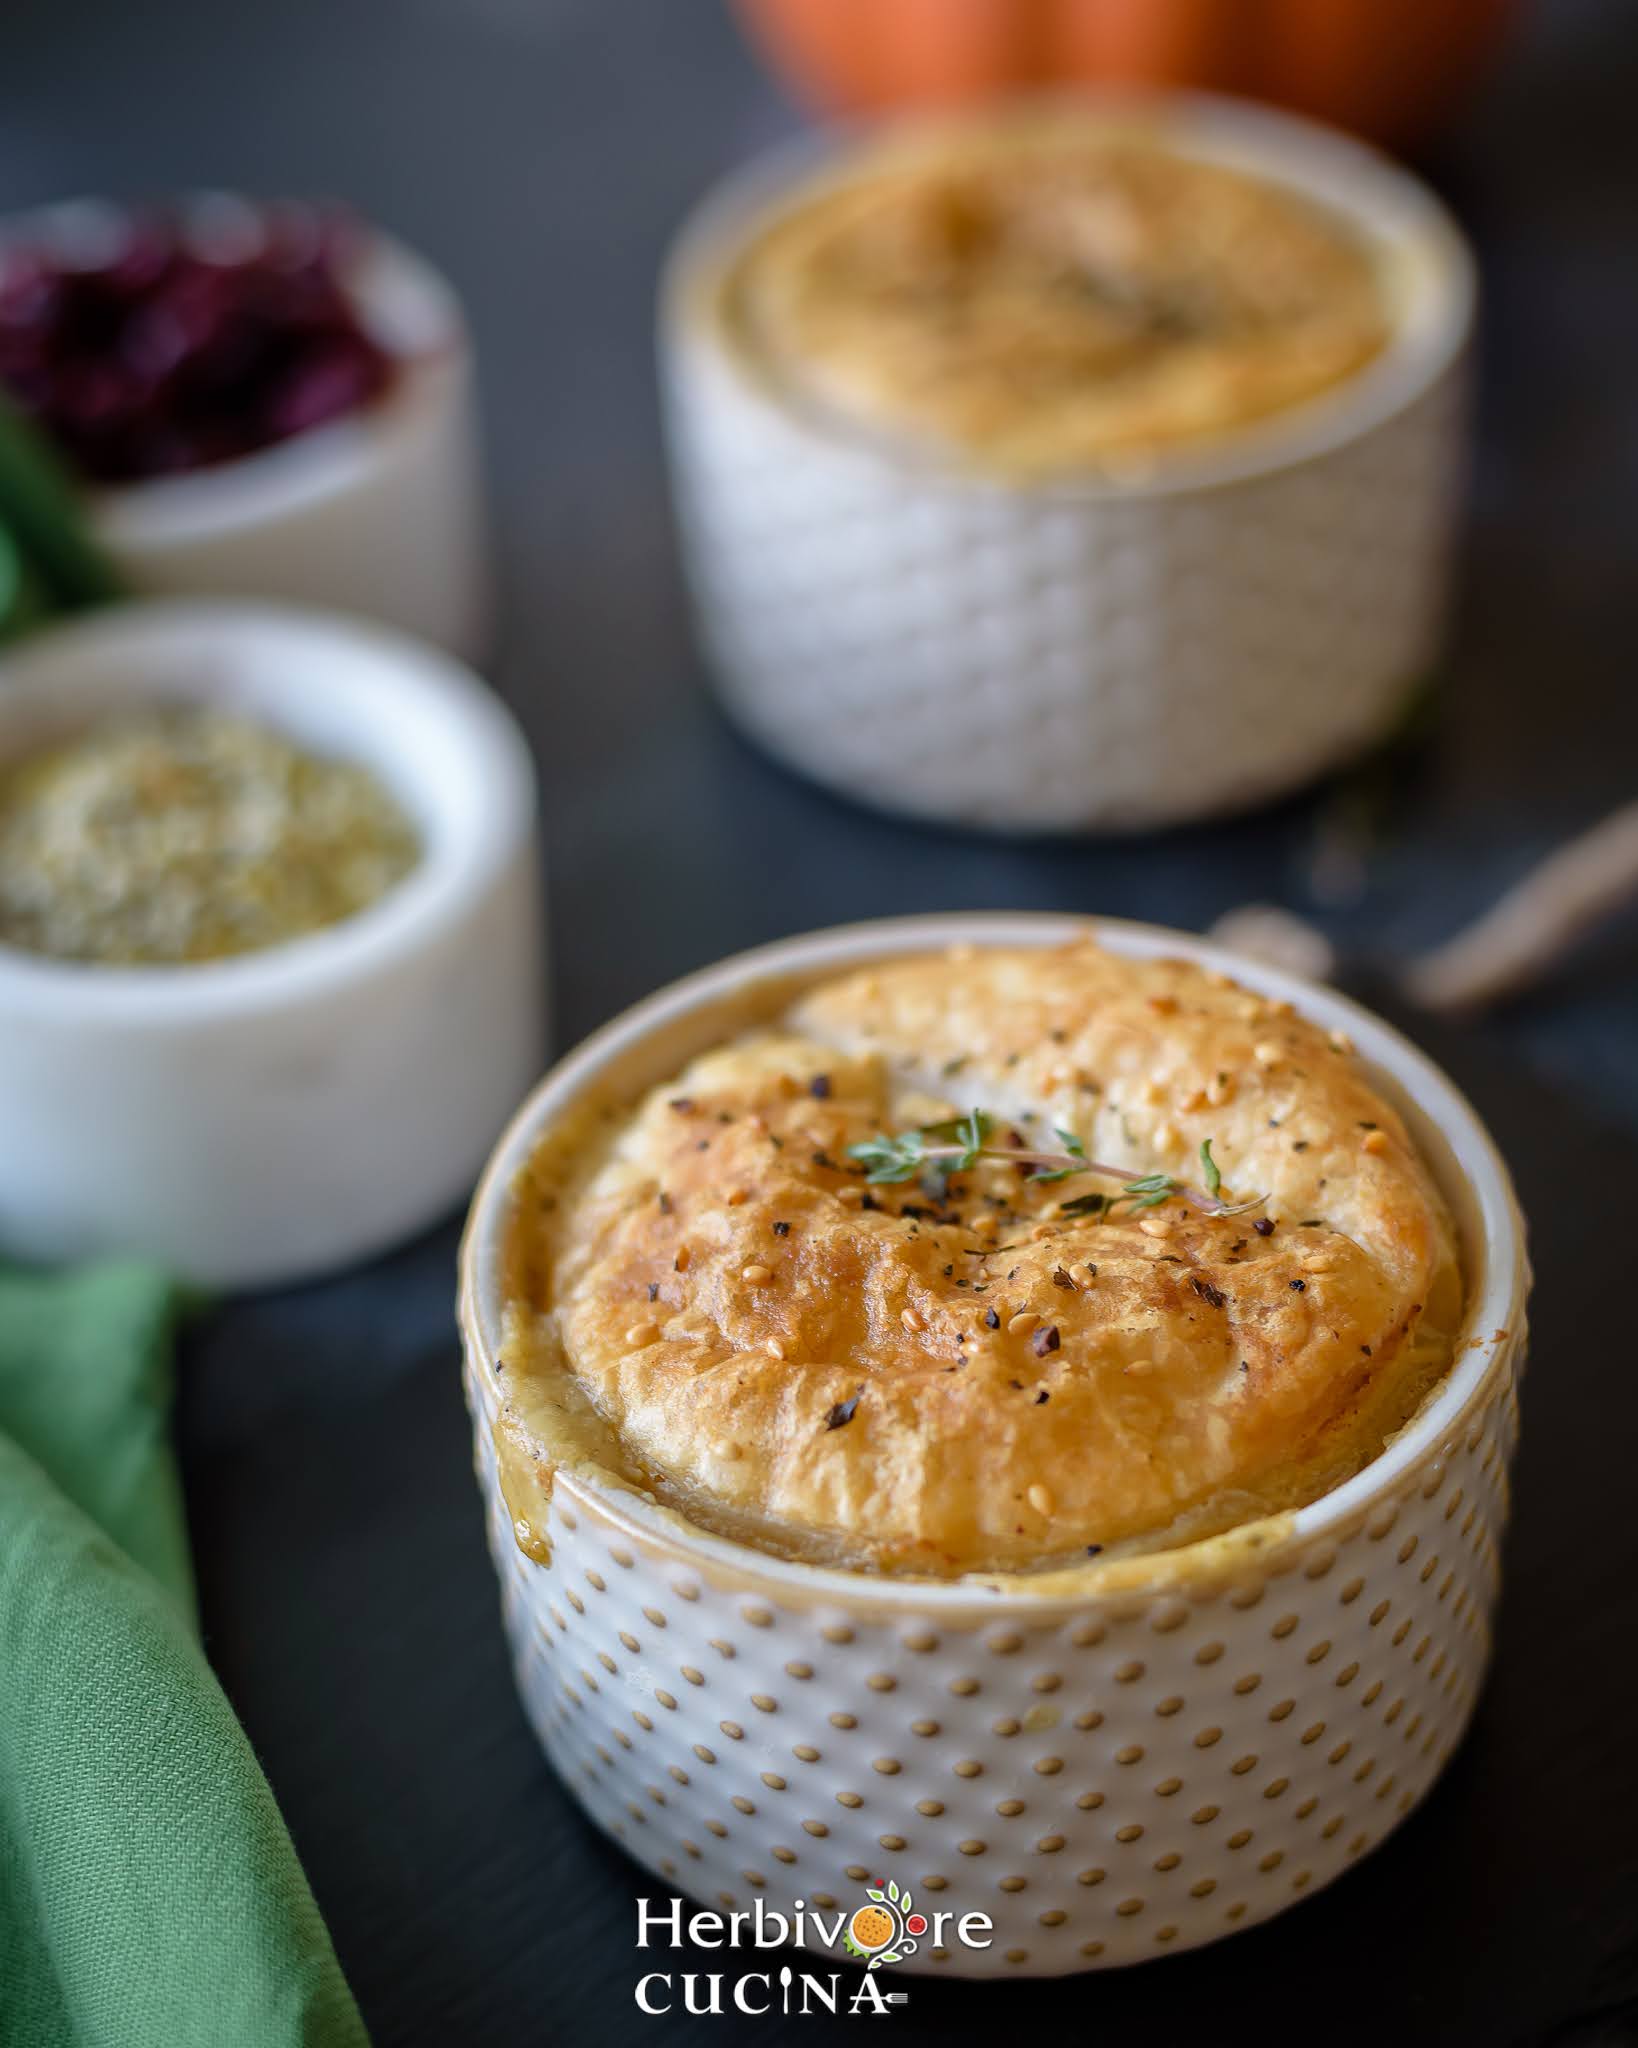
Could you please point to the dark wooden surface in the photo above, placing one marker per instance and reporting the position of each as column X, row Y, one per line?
column 541, row 150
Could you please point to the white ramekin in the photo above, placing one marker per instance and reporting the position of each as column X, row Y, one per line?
column 1144, row 1766
column 378, row 513
column 1077, row 653
column 269, row 1117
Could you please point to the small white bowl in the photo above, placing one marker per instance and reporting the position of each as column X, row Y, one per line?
column 1192, row 1743
column 1078, row 653
column 271, row 1116
column 379, row 512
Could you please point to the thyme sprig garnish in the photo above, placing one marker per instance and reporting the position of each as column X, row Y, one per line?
column 958, row 1143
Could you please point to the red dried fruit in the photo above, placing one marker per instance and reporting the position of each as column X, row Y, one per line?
column 182, row 344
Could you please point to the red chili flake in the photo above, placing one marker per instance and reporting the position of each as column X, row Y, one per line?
column 1264, row 1226
column 842, row 1412
column 654, row 1290
column 1060, row 1278
column 683, row 1104
column 1046, row 1340
column 819, row 1087
column 1299, row 1286
column 991, row 1320
column 665, row 1203
column 1207, row 1293
column 782, row 1230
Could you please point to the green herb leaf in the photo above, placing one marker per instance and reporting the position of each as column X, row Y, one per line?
column 970, row 1136
column 888, row 1159
column 1208, row 1167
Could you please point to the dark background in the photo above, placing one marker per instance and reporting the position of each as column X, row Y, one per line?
column 541, row 151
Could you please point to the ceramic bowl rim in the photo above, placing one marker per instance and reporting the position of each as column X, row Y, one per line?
column 98, row 654
column 1494, row 1316
column 1386, row 202
column 400, row 293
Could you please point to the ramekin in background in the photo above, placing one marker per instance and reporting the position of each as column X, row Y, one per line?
column 281, row 1113
column 379, row 512
column 1076, row 653
column 1144, row 1766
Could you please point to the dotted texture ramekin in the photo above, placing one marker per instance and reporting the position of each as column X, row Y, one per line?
column 1076, row 654
column 1108, row 1775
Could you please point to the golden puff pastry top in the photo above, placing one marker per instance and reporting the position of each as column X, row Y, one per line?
column 976, row 1370
column 1050, row 295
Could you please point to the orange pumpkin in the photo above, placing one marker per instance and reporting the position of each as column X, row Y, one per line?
column 1385, row 70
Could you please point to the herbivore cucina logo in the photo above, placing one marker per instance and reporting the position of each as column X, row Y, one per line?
column 887, row 1928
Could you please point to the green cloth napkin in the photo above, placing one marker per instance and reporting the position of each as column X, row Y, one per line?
column 149, row 1894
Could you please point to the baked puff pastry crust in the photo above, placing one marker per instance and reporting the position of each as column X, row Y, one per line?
column 977, row 1370
column 1045, row 293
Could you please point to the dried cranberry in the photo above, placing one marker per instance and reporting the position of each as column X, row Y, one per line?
column 175, row 346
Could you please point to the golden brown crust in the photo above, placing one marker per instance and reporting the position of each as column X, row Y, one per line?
column 893, row 1378
column 1050, row 293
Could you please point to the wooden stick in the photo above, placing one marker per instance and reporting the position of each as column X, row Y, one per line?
column 1524, row 935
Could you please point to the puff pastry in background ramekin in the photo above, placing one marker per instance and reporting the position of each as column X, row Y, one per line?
column 1116, row 651
column 1172, row 1747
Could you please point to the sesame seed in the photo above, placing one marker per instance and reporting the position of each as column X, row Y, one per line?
column 912, row 1320
column 1040, row 1499
column 1021, row 1324
column 1375, row 1141
column 755, row 1275
column 642, row 1333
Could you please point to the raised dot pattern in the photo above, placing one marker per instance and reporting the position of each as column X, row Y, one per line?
column 1040, row 660
column 1125, row 1780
